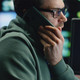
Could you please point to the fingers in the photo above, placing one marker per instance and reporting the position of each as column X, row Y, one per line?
column 47, row 48
column 44, row 43
column 55, row 31
column 50, row 35
column 47, row 38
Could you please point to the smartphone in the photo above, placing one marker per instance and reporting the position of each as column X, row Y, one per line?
column 34, row 18
column 75, row 45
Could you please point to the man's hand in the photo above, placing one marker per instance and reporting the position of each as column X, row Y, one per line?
column 52, row 40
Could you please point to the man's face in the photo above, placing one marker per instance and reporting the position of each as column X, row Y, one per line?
column 52, row 5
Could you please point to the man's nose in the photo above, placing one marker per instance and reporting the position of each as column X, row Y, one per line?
column 63, row 17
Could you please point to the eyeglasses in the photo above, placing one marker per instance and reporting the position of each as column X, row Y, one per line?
column 55, row 12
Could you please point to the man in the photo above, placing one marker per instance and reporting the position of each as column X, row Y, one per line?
column 30, row 54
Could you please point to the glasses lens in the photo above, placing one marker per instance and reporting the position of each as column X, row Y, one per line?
column 64, row 11
column 58, row 12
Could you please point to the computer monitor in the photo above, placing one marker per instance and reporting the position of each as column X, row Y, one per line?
column 6, row 17
column 75, row 45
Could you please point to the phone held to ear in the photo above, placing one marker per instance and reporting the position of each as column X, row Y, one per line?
column 34, row 18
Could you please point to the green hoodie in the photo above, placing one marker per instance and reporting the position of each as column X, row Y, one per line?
column 22, row 58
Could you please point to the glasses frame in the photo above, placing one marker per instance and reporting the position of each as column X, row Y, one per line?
column 56, row 11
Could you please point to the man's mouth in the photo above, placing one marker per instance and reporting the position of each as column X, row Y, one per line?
column 60, row 29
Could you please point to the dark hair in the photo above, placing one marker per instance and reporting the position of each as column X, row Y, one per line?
column 19, row 5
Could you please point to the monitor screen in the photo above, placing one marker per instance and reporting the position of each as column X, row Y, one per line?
column 67, row 43
column 75, row 46
column 6, row 17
